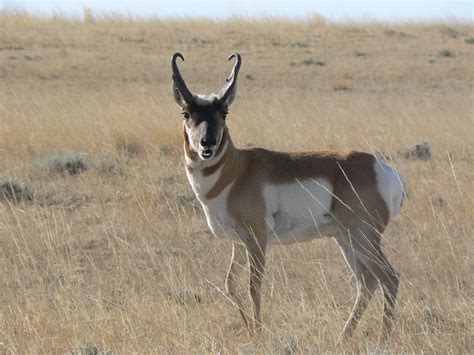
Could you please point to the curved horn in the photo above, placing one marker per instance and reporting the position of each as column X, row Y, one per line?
column 227, row 93
column 178, row 81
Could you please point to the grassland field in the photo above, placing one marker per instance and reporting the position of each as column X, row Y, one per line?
column 103, row 247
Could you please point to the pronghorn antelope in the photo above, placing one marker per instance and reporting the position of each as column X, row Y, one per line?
column 256, row 197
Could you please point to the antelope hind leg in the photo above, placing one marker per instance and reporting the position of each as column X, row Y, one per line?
column 366, row 244
column 366, row 286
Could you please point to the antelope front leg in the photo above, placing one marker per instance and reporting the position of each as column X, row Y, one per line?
column 238, row 261
column 257, row 268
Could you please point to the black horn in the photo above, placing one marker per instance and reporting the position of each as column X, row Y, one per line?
column 227, row 93
column 179, row 86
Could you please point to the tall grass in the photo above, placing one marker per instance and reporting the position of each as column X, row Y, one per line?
column 119, row 257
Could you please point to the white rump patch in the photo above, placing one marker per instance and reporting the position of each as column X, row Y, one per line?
column 391, row 186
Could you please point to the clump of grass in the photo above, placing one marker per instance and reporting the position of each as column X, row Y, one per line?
column 469, row 40
column 360, row 54
column 129, row 149
column 109, row 166
column 183, row 296
column 438, row 201
column 196, row 41
column 434, row 321
column 13, row 191
column 317, row 62
column 421, row 150
column 446, row 53
column 341, row 85
column 88, row 349
column 449, row 31
column 400, row 34
column 310, row 61
column 300, row 44
column 72, row 163
column 187, row 200
column 390, row 33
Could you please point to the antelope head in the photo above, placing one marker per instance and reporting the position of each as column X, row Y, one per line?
column 204, row 116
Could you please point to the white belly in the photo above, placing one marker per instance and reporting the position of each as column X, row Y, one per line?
column 296, row 212
column 299, row 211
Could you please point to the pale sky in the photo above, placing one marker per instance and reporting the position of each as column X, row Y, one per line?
column 383, row 10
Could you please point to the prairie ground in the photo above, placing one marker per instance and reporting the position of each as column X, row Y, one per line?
column 103, row 246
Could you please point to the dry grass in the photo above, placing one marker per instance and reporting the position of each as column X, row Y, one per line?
column 118, row 256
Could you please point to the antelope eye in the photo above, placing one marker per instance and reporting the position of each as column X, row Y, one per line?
column 224, row 116
column 186, row 115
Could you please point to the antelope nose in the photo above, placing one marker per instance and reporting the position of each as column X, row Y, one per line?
column 208, row 142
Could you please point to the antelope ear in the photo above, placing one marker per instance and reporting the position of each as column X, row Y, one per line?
column 228, row 92
column 181, row 93
column 227, row 100
column 178, row 97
